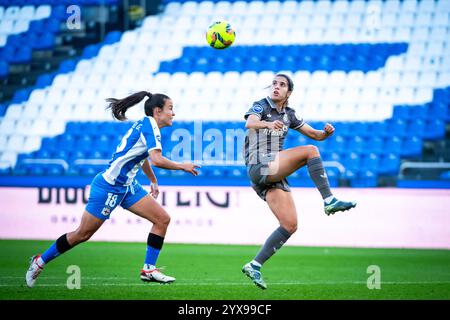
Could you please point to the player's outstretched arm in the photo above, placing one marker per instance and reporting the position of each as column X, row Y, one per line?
column 314, row 134
column 162, row 162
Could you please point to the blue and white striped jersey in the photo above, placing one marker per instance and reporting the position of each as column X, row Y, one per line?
column 135, row 147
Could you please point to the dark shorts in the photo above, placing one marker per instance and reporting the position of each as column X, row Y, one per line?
column 258, row 177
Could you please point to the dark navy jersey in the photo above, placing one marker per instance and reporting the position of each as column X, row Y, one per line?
column 262, row 145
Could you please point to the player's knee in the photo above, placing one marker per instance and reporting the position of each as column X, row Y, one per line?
column 164, row 219
column 313, row 151
column 83, row 235
column 290, row 226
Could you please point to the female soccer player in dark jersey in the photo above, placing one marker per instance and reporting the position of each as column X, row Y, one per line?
column 117, row 185
column 268, row 165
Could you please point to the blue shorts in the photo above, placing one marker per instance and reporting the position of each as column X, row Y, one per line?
column 104, row 197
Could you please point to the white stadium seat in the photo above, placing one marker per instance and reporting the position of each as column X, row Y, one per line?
column 12, row 13
column 409, row 6
column 426, row 6
column 21, row 26
column 42, row 12
column 391, row 6
column 7, row 26
column 357, row 6
column 172, row 8
column 256, row 7
column 132, row 63
column 189, row 8
column 3, row 39
column 306, row 6
column 26, row 13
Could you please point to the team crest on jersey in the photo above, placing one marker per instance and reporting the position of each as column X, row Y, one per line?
column 257, row 108
column 106, row 211
column 285, row 117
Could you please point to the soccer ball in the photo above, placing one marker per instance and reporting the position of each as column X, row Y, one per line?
column 220, row 35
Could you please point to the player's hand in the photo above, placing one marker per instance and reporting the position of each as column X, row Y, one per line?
column 191, row 168
column 276, row 125
column 328, row 129
column 154, row 189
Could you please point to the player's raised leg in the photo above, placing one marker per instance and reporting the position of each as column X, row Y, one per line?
column 149, row 209
column 283, row 207
column 290, row 160
column 88, row 226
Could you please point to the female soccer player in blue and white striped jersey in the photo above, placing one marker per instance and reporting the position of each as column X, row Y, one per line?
column 117, row 185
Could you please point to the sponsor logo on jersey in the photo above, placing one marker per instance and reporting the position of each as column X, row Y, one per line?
column 257, row 108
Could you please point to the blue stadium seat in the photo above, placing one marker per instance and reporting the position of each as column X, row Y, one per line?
column 45, row 41
column 54, row 170
column 4, row 70
column 352, row 162
column 21, row 95
column 364, row 179
column 434, row 129
column 66, row 142
column 396, row 127
column 42, row 154
column 418, row 112
column 22, row 55
column 378, row 128
column 45, row 80
column 356, row 144
column 392, row 145
column 48, row 144
column 389, row 164
column 236, row 172
column 112, row 37
column 67, row 66
column 5, row 171
column 401, row 112
column 445, row 175
column 374, row 144
column 369, row 162
column 36, row 171
column 416, row 126
column 411, row 146
column 90, row 51
column 3, row 107
column 438, row 110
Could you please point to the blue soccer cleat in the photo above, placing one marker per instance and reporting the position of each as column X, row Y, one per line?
column 255, row 275
column 337, row 205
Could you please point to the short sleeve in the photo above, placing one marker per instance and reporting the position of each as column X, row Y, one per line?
column 296, row 121
column 151, row 134
column 256, row 109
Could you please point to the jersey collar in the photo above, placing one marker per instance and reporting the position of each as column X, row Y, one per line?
column 273, row 105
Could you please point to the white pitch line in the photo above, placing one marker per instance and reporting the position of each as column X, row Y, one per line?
column 238, row 283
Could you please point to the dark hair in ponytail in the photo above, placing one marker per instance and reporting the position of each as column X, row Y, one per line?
column 120, row 106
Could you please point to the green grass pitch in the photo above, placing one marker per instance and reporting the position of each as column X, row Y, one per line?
column 111, row 271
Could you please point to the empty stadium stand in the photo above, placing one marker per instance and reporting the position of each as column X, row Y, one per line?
column 378, row 70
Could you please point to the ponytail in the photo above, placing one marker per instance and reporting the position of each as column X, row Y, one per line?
column 120, row 106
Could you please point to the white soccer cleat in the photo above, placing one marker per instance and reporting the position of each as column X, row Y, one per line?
column 33, row 271
column 155, row 275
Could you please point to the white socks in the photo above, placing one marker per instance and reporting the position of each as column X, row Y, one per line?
column 40, row 262
column 148, row 267
column 255, row 263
